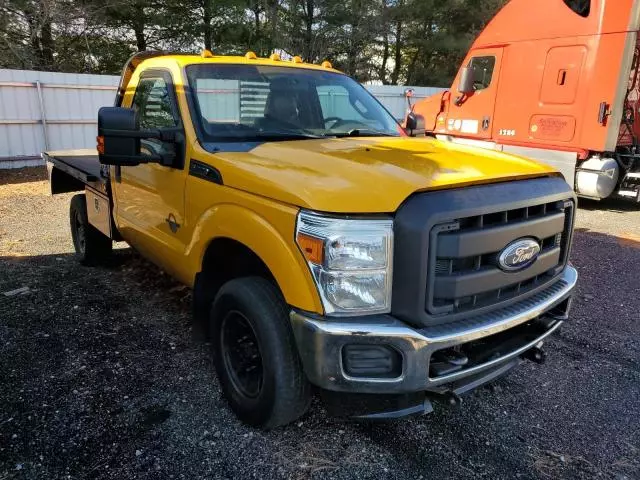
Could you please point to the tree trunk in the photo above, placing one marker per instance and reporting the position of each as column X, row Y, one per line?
column 272, row 18
column 207, row 30
column 308, row 36
column 382, row 73
column 138, row 28
column 427, row 28
column 397, row 57
column 34, row 38
column 46, row 44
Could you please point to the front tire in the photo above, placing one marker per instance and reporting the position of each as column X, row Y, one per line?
column 255, row 354
column 91, row 245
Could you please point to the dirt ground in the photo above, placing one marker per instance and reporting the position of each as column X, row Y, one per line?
column 101, row 376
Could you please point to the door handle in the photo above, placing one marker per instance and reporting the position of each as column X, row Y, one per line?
column 171, row 221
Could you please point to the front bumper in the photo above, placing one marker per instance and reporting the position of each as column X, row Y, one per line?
column 321, row 341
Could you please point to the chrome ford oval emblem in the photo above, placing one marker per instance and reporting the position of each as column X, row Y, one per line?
column 519, row 254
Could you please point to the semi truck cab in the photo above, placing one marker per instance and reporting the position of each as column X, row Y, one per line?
column 555, row 81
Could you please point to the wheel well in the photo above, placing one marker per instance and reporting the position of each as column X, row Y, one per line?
column 224, row 260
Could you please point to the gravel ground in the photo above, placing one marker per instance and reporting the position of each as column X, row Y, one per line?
column 101, row 376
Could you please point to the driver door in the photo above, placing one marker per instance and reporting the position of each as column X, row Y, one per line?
column 473, row 115
column 151, row 196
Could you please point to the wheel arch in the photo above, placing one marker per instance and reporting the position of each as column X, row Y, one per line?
column 242, row 243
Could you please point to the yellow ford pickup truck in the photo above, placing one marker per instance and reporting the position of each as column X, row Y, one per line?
column 327, row 249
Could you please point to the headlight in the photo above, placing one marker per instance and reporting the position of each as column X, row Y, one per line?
column 351, row 261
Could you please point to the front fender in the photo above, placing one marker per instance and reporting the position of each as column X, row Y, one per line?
column 273, row 242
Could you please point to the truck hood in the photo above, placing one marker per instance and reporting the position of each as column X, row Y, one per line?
column 364, row 175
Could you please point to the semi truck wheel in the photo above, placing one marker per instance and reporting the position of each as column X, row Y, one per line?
column 92, row 246
column 255, row 354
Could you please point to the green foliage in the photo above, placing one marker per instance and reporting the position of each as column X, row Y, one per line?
column 417, row 42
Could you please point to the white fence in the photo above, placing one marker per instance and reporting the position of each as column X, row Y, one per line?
column 55, row 111
column 49, row 111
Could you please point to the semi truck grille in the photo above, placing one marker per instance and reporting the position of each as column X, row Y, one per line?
column 463, row 274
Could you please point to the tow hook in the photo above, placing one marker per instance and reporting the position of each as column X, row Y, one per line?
column 535, row 354
column 451, row 399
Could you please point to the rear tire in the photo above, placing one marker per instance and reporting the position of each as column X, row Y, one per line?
column 255, row 354
column 92, row 246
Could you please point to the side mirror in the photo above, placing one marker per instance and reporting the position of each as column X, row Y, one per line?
column 118, row 143
column 411, row 122
column 119, row 138
column 414, row 124
column 465, row 85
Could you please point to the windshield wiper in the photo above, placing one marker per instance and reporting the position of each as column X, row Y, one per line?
column 285, row 134
column 360, row 132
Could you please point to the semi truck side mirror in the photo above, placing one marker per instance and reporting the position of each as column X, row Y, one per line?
column 465, row 85
column 408, row 94
column 119, row 138
column 414, row 124
column 411, row 122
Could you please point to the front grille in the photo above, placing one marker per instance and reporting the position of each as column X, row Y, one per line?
column 463, row 273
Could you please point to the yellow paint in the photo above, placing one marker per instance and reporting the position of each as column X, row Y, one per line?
column 265, row 187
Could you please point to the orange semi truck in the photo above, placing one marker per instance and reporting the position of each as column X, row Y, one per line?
column 555, row 81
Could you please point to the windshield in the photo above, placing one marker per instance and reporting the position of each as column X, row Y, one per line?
column 262, row 102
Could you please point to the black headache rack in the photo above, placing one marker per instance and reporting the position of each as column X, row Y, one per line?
column 447, row 245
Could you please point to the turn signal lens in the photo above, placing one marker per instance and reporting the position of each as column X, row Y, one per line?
column 350, row 260
column 100, row 144
column 312, row 248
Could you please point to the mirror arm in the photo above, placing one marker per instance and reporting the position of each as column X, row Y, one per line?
column 129, row 161
column 164, row 135
column 459, row 100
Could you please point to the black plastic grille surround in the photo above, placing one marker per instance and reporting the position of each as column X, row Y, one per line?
column 447, row 243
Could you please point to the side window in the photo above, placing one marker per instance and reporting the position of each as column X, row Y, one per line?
column 482, row 71
column 154, row 104
column 581, row 7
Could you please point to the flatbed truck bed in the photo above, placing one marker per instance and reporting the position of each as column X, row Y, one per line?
column 81, row 165
column 77, row 170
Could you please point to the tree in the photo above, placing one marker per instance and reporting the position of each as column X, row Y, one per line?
column 418, row 42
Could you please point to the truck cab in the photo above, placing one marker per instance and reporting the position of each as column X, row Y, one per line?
column 563, row 92
column 326, row 249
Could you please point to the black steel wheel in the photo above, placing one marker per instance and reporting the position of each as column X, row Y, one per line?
column 255, row 354
column 241, row 354
column 92, row 246
column 80, row 233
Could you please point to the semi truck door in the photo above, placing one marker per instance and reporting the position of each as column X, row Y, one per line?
column 471, row 115
column 151, row 196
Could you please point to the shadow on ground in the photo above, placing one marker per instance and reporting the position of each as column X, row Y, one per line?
column 22, row 175
column 612, row 205
column 102, row 378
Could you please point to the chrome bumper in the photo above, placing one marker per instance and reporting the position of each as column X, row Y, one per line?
column 320, row 342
